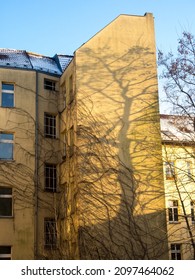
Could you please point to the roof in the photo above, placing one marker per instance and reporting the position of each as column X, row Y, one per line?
column 26, row 60
column 177, row 128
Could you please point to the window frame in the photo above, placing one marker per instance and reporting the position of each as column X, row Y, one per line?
column 52, row 86
column 5, row 255
column 5, row 141
column 192, row 206
column 50, row 181
column 50, row 121
column 169, row 170
column 10, row 92
column 173, row 213
column 189, row 168
column 71, row 141
column 50, row 233
column 64, row 143
column 71, row 89
column 8, row 196
column 175, row 249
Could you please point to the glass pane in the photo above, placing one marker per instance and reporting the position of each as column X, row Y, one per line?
column 6, row 136
column 170, row 214
column 8, row 87
column 175, row 214
column 7, row 100
column 5, row 207
column 5, row 191
column 5, row 249
column 6, row 151
column 173, row 256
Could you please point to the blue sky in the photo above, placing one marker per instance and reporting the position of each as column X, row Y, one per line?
column 48, row 27
column 60, row 26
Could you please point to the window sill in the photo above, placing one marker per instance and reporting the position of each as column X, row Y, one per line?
column 51, row 137
column 7, row 160
column 7, row 107
column 50, row 191
column 6, row 217
column 50, row 247
column 174, row 222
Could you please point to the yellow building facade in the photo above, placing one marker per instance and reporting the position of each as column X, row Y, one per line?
column 178, row 157
column 92, row 178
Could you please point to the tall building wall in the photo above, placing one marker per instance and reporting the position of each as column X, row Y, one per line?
column 87, row 166
column 28, row 152
column 18, row 166
column 120, row 191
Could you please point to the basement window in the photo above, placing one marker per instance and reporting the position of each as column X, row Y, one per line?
column 5, row 202
column 5, row 252
column 49, row 85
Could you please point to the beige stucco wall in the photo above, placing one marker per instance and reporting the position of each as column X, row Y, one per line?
column 25, row 230
column 180, row 188
column 18, row 231
column 120, row 174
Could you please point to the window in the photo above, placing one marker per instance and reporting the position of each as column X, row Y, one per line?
column 71, row 147
column 50, row 125
column 64, row 94
column 5, row 252
column 7, row 98
column 71, row 93
column 49, row 85
column 173, row 211
column 50, row 177
column 50, row 233
column 189, row 168
column 5, row 202
column 192, row 203
column 64, row 145
column 176, row 251
column 169, row 170
column 6, row 146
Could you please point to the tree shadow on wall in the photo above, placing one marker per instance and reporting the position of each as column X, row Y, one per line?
column 121, row 213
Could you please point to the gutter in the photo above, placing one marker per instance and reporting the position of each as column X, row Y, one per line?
column 36, row 171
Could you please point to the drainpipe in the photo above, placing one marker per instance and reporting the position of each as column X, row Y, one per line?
column 36, row 170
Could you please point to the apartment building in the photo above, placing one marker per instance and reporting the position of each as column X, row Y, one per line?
column 178, row 156
column 80, row 150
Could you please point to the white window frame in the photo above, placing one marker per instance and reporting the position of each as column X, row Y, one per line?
column 169, row 170
column 50, row 123
column 173, row 211
column 52, row 187
column 176, row 251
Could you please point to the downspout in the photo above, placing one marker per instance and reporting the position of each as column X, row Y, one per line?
column 36, row 171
